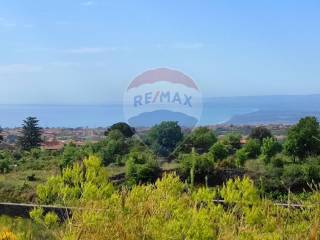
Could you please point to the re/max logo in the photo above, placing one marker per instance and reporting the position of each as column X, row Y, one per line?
column 162, row 97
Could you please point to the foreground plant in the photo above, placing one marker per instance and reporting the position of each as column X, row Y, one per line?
column 169, row 209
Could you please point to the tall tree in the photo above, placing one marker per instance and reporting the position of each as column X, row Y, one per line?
column 303, row 139
column 124, row 128
column 163, row 138
column 30, row 134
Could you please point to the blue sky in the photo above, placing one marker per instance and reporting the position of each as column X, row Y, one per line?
column 87, row 52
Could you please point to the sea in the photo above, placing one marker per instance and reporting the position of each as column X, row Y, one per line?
column 93, row 116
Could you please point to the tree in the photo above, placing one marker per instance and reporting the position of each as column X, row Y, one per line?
column 260, row 133
column 124, row 128
column 232, row 142
column 164, row 137
column 201, row 139
column 252, row 148
column 219, row 151
column 303, row 139
column 270, row 147
column 30, row 134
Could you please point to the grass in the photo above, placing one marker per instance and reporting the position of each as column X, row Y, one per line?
column 15, row 186
column 24, row 229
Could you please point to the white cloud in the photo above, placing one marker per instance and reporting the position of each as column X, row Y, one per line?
column 87, row 3
column 19, row 68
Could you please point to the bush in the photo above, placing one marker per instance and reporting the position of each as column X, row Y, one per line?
column 167, row 210
column 4, row 166
column 293, row 177
column 241, row 157
column 142, row 167
column 200, row 166
column 218, row 151
column 270, row 147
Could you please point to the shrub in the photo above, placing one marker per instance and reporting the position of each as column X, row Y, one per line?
column 142, row 167
column 270, row 147
column 195, row 167
column 218, row 151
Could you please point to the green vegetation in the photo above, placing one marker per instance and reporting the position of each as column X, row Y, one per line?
column 164, row 138
column 169, row 209
column 120, row 185
column 23, row 229
column 304, row 139
column 260, row 133
column 124, row 128
column 30, row 134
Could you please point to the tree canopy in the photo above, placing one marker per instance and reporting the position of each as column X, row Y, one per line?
column 201, row 139
column 260, row 133
column 30, row 134
column 124, row 128
column 304, row 139
column 164, row 137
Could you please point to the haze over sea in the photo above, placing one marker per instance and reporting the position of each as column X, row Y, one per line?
column 91, row 115
column 231, row 110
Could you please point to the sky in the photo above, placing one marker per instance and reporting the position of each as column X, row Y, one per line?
column 87, row 52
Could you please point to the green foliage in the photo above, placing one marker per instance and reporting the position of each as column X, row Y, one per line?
column 260, row 133
column 166, row 210
column 30, row 134
column 49, row 220
column 88, row 180
column 293, row 177
column 270, row 147
column 252, row 148
column 201, row 139
column 195, row 164
column 163, row 138
column 71, row 154
column 241, row 157
column 218, row 151
column 25, row 229
column 232, row 142
column 303, row 139
column 240, row 191
column 4, row 166
column 6, row 159
column 142, row 167
column 124, row 128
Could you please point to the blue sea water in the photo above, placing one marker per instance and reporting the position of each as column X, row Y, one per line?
column 96, row 115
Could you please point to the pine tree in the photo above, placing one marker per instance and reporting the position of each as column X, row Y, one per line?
column 30, row 134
